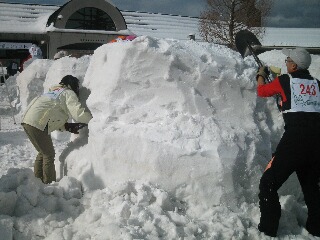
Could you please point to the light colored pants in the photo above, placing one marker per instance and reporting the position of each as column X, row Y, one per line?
column 44, row 164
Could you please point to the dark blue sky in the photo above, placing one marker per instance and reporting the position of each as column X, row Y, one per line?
column 285, row 13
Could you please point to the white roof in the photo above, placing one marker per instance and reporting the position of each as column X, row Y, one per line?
column 22, row 18
column 303, row 37
column 161, row 25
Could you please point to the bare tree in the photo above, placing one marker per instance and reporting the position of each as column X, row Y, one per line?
column 224, row 18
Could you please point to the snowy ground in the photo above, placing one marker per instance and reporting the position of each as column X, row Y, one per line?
column 175, row 149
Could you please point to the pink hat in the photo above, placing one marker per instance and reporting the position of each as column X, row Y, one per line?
column 130, row 37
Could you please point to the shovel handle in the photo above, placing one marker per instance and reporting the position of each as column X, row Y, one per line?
column 277, row 97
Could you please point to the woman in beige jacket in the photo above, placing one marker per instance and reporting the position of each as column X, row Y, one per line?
column 48, row 113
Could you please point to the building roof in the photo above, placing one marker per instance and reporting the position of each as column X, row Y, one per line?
column 161, row 25
column 22, row 18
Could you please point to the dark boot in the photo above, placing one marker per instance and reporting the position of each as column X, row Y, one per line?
column 266, row 232
column 270, row 207
column 313, row 226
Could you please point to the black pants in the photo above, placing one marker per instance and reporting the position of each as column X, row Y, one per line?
column 298, row 151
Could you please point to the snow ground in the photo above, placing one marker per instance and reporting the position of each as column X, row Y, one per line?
column 175, row 149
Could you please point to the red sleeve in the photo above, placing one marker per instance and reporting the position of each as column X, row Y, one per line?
column 271, row 89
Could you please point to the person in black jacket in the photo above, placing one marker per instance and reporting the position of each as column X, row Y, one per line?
column 12, row 68
column 298, row 150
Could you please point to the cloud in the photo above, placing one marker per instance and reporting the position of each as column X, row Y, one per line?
column 295, row 13
column 285, row 13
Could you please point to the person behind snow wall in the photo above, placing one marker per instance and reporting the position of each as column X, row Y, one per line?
column 60, row 54
column 298, row 150
column 12, row 68
column 48, row 113
column 122, row 38
column 34, row 53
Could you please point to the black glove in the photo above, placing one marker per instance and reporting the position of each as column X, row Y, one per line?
column 74, row 127
column 263, row 72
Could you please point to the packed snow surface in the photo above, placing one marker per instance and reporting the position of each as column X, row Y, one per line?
column 175, row 149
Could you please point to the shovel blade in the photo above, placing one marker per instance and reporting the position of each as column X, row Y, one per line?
column 242, row 39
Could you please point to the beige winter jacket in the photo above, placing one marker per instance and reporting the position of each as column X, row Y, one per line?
column 54, row 108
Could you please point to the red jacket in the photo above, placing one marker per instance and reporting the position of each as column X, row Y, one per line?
column 272, row 89
column 281, row 85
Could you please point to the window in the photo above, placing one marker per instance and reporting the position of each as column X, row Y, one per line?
column 91, row 19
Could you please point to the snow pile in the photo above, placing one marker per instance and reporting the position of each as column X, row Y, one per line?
column 30, row 83
column 175, row 149
column 29, row 208
column 175, row 114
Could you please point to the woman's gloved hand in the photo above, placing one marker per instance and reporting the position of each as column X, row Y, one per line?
column 74, row 127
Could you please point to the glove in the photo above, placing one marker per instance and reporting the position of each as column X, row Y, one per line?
column 74, row 127
column 275, row 71
column 263, row 72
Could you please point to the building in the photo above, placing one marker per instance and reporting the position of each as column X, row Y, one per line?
column 79, row 26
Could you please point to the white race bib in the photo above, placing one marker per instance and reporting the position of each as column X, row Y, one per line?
column 305, row 95
column 54, row 94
